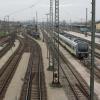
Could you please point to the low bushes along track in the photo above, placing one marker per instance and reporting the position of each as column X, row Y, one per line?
column 34, row 87
column 9, row 68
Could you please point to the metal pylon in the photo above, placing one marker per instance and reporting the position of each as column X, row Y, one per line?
column 51, row 35
column 47, row 30
column 92, row 51
column 51, row 12
column 57, row 30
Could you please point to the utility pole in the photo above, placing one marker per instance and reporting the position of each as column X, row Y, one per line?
column 92, row 52
column 43, row 29
column 51, row 36
column 70, row 25
column 36, row 22
column 86, row 21
column 47, row 29
column 8, row 25
column 81, row 21
column 51, row 14
column 4, row 25
column 6, row 21
column 86, row 16
column 47, row 20
column 57, row 31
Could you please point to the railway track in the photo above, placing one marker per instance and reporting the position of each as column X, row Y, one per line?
column 86, row 63
column 5, row 49
column 97, row 55
column 77, row 84
column 4, row 40
column 34, row 87
column 9, row 68
column 8, row 44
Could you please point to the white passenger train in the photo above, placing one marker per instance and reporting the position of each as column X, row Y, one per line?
column 76, row 46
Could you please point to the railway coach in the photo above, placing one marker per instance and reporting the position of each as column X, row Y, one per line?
column 35, row 35
column 76, row 46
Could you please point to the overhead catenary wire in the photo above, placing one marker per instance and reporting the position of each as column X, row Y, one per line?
column 21, row 10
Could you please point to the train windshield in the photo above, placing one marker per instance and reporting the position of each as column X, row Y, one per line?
column 83, row 47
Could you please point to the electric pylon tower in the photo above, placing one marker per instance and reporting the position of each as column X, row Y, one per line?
column 92, row 50
column 57, row 31
column 51, row 13
column 51, row 59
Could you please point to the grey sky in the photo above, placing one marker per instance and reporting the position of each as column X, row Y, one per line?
column 69, row 9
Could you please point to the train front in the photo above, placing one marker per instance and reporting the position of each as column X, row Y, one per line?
column 82, row 49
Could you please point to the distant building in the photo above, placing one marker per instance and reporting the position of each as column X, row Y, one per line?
column 98, row 26
column 80, row 28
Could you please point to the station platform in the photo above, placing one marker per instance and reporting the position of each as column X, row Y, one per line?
column 96, row 34
column 15, row 87
column 97, row 40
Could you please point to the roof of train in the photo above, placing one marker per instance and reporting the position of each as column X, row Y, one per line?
column 68, row 40
column 73, row 38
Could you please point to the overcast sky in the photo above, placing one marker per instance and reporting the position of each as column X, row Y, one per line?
column 69, row 9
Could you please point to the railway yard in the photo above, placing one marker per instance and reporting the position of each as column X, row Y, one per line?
column 24, row 73
column 52, row 58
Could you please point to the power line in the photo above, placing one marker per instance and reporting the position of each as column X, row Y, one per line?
column 21, row 10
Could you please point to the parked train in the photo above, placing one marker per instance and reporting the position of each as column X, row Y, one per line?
column 36, row 35
column 76, row 46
